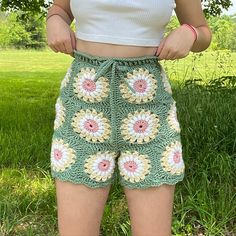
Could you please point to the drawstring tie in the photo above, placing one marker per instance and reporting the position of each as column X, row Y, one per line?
column 104, row 67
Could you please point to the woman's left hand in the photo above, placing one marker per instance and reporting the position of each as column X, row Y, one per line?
column 176, row 45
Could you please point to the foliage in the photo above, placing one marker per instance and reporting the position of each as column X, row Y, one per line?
column 215, row 7
column 14, row 32
column 224, row 32
column 26, row 7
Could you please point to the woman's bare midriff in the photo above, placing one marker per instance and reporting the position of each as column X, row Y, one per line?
column 113, row 50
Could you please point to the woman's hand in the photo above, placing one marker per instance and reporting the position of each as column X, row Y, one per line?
column 60, row 37
column 176, row 45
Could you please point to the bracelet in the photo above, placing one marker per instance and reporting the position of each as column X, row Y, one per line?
column 62, row 9
column 194, row 30
column 53, row 15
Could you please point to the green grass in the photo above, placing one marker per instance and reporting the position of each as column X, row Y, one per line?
column 205, row 202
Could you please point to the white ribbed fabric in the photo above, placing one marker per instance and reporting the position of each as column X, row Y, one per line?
column 126, row 22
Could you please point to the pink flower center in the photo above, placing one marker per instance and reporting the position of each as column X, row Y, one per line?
column 140, row 126
column 177, row 157
column 57, row 154
column 104, row 165
column 89, row 85
column 140, row 85
column 130, row 166
column 91, row 125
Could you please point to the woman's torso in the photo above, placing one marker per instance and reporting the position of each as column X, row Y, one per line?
column 142, row 21
column 113, row 50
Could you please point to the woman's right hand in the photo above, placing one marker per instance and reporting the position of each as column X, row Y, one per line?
column 60, row 37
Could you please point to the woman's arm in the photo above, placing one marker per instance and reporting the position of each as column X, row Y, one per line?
column 181, row 41
column 61, row 7
column 190, row 12
column 60, row 36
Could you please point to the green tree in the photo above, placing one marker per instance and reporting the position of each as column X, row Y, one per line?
column 36, row 27
column 224, row 32
column 29, row 33
column 12, row 33
column 215, row 7
column 4, row 37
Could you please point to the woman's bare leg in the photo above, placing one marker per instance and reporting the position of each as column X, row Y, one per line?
column 151, row 210
column 80, row 208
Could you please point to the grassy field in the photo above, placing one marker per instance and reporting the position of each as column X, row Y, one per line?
column 205, row 202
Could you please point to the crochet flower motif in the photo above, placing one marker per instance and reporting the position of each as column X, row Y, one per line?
column 91, row 125
column 60, row 113
column 172, row 118
column 62, row 156
column 133, row 166
column 166, row 82
column 100, row 166
column 172, row 160
column 89, row 90
column 66, row 78
column 140, row 126
column 143, row 83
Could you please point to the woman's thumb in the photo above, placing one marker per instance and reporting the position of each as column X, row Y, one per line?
column 73, row 42
column 73, row 39
column 161, row 45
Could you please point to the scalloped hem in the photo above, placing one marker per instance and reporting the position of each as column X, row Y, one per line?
column 77, row 182
column 145, row 186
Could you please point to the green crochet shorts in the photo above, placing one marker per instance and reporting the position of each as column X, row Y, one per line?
column 116, row 117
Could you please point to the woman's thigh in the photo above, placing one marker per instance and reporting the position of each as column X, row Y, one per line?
column 80, row 208
column 150, row 210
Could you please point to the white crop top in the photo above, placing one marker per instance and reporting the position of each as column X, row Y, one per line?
column 126, row 22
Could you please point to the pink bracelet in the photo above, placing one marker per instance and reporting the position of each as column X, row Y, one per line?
column 194, row 30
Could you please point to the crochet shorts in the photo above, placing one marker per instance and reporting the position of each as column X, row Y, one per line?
column 115, row 117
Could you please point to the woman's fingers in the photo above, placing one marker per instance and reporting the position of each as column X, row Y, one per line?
column 68, row 47
column 53, row 48
column 171, row 55
column 170, row 51
column 73, row 39
column 53, row 45
column 73, row 42
column 164, row 53
column 61, row 47
column 160, row 47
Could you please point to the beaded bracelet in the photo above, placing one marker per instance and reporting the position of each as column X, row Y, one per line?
column 194, row 30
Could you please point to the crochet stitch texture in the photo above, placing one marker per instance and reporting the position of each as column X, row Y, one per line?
column 116, row 117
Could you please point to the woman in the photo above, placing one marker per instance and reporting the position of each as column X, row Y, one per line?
column 115, row 115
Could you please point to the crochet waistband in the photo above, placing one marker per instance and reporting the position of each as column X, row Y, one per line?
column 129, row 61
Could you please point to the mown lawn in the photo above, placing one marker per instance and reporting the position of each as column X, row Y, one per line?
column 205, row 202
